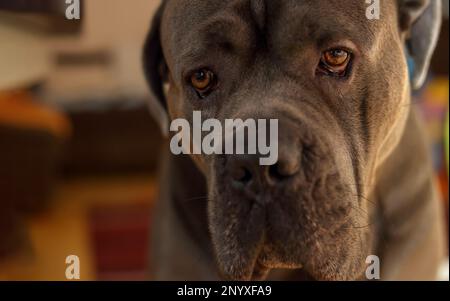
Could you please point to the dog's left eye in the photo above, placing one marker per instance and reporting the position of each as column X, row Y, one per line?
column 203, row 81
column 334, row 62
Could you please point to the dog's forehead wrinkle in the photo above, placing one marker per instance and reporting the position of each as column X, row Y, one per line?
column 236, row 26
column 259, row 12
column 233, row 23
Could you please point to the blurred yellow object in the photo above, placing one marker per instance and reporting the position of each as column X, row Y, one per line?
column 437, row 91
column 19, row 109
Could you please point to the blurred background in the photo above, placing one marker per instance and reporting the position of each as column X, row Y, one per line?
column 78, row 148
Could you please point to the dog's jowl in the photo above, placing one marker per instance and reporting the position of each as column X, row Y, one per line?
column 352, row 176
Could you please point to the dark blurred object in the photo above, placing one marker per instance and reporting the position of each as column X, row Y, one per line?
column 29, row 162
column 13, row 236
column 439, row 63
column 34, row 6
column 112, row 137
column 120, row 240
column 31, row 143
column 43, row 15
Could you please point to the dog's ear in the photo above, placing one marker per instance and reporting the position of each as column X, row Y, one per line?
column 421, row 21
column 156, row 72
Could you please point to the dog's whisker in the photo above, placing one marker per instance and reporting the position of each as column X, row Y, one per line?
column 362, row 196
column 374, row 223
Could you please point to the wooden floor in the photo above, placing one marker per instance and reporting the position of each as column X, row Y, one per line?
column 63, row 230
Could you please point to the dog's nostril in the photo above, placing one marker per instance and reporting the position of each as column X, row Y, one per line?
column 275, row 173
column 241, row 175
column 282, row 170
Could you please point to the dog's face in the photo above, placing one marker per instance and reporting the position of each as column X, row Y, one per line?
column 338, row 84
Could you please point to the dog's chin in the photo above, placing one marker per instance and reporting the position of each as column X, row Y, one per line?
column 260, row 269
column 313, row 269
column 264, row 265
column 249, row 242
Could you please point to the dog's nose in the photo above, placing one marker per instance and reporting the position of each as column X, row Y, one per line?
column 247, row 172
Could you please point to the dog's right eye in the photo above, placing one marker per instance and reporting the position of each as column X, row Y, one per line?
column 203, row 81
column 335, row 62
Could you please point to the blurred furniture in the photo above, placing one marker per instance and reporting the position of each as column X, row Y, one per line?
column 31, row 145
column 111, row 137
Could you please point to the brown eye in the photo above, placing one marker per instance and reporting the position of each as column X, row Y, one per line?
column 335, row 61
column 203, row 81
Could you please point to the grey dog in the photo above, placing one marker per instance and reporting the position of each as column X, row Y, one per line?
column 353, row 176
